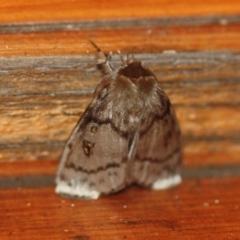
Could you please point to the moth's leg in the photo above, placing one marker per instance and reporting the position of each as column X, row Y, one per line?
column 102, row 61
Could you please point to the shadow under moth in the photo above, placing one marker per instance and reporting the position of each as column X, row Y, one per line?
column 128, row 134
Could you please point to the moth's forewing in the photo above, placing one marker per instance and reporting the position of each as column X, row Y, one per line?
column 95, row 157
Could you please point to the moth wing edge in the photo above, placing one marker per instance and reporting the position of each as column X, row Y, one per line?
column 79, row 191
column 165, row 183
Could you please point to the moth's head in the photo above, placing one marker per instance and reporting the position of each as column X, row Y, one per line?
column 140, row 76
column 134, row 68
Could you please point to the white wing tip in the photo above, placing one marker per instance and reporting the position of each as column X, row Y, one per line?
column 76, row 191
column 164, row 183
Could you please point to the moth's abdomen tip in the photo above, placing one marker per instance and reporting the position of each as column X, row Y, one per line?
column 77, row 191
column 165, row 183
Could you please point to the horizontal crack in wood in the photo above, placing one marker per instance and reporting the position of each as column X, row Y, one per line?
column 115, row 23
column 196, row 173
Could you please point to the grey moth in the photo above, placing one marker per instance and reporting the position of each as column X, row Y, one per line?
column 129, row 134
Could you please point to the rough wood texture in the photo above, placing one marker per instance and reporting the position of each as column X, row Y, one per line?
column 22, row 10
column 198, row 209
column 42, row 98
column 47, row 77
column 184, row 37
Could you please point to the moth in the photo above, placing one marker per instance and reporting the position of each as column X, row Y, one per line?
column 129, row 134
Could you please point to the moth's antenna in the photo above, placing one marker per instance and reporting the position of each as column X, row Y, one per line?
column 95, row 45
column 101, row 60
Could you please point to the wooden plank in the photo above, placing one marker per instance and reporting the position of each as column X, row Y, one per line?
column 203, row 37
column 24, row 11
column 48, row 78
column 43, row 97
column 52, row 123
column 197, row 209
column 215, row 136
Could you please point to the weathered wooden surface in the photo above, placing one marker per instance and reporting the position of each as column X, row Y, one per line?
column 47, row 77
column 197, row 209
column 198, row 35
column 43, row 97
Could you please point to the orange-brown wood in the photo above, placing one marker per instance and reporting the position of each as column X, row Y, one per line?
column 41, row 102
column 197, row 209
column 133, row 40
column 25, row 11
column 28, row 168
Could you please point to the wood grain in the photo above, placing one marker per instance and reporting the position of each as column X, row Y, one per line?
column 47, row 77
column 197, row 209
column 21, row 169
column 42, row 99
column 204, row 37
column 25, row 11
